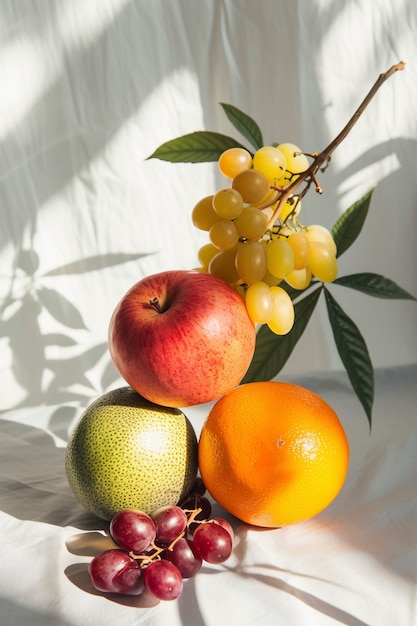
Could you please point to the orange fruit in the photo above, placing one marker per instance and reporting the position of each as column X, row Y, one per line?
column 273, row 453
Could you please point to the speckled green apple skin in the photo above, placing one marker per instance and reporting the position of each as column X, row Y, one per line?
column 196, row 348
column 124, row 452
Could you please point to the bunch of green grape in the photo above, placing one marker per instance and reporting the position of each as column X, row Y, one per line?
column 249, row 252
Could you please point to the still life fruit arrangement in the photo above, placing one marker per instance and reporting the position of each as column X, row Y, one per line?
column 270, row 453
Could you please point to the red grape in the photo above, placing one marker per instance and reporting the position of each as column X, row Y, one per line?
column 132, row 530
column 225, row 524
column 115, row 571
column 163, row 580
column 198, row 487
column 183, row 554
column 197, row 502
column 212, row 542
column 170, row 522
column 156, row 553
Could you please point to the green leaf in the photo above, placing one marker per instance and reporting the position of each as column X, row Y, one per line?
column 199, row 147
column 293, row 293
column 374, row 285
column 353, row 353
column 244, row 124
column 272, row 351
column 350, row 223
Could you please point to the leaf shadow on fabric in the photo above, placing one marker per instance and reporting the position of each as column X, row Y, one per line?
column 312, row 601
column 20, row 325
column 277, row 577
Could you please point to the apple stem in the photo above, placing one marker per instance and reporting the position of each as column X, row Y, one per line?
column 155, row 305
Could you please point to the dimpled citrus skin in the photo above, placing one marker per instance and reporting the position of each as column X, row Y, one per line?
column 125, row 452
column 273, row 453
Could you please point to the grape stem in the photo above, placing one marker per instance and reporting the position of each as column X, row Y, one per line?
column 146, row 559
column 193, row 515
column 323, row 157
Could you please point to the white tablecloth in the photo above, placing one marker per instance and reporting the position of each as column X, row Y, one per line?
column 354, row 564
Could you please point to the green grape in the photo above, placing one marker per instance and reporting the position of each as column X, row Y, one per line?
column 223, row 266
column 290, row 210
column 206, row 253
column 299, row 279
column 300, row 244
column 319, row 233
column 252, row 185
column 203, row 215
column 280, row 257
column 259, row 302
column 224, row 235
column 228, row 203
column 251, row 223
column 271, row 162
column 268, row 212
column 296, row 163
column 250, row 261
column 240, row 288
column 285, row 231
column 323, row 262
column 282, row 319
column 270, row 279
column 233, row 161
column 267, row 199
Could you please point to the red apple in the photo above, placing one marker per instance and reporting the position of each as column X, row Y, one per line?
column 181, row 338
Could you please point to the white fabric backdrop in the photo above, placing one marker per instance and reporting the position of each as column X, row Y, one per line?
column 89, row 90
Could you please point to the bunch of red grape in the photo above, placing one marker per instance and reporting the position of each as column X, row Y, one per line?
column 256, row 238
column 155, row 553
